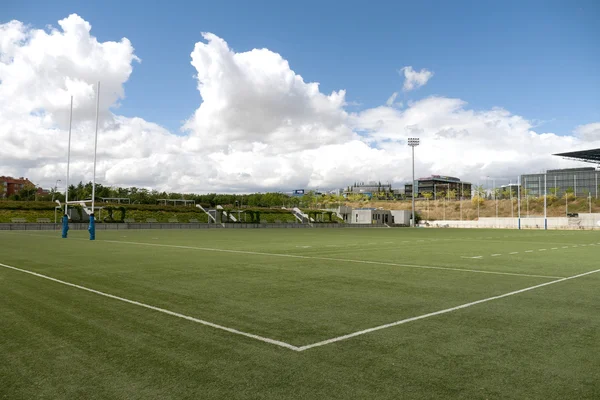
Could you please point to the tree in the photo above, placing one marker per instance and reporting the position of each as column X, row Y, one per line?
column 479, row 191
column 452, row 194
column 497, row 193
column 28, row 192
column 478, row 195
column 569, row 194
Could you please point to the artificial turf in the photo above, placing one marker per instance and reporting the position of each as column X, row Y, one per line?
column 300, row 286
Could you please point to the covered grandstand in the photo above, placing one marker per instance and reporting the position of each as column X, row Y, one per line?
column 591, row 156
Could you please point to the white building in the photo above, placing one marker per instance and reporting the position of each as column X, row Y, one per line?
column 374, row 216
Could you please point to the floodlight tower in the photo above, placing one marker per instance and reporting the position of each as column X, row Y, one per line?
column 413, row 142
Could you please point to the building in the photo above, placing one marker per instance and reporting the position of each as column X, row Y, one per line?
column 10, row 186
column 374, row 216
column 580, row 181
column 370, row 189
column 511, row 188
column 589, row 156
column 439, row 186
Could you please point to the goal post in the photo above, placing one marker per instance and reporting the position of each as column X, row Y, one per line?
column 82, row 203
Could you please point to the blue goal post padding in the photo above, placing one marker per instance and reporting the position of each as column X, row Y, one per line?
column 65, row 226
column 92, row 227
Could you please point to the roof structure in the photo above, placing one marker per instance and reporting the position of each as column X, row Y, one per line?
column 591, row 156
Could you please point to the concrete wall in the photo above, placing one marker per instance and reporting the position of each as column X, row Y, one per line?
column 361, row 217
column 401, row 217
column 584, row 221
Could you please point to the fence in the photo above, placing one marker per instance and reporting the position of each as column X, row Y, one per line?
column 125, row 226
column 582, row 221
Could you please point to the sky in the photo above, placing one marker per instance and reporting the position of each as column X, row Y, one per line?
column 275, row 96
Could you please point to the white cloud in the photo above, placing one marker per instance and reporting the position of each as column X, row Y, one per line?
column 390, row 101
column 259, row 127
column 414, row 79
column 39, row 70
column 470, row 144
column 254, row 97
column 589, row 132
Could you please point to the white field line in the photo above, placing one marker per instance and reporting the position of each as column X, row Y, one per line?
column 333, row 259
column 323, row 258
column 531, row 251
column 284, row 344
column 162, row 310
column 433, row 314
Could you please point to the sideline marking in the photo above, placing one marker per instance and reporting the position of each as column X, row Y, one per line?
column 322, row 258
column 284, row 344
column 162, row 310
column 318, row 258
column 448, row 310
column 333, row 259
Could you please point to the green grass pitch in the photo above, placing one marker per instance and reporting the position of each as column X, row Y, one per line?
column 287, row 314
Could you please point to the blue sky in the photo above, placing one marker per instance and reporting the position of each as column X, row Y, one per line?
column 538, row 59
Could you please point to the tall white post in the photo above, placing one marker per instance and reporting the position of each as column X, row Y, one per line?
column 95, row 147
column 519, row 200
column 512, row 210
column 413, row 186
column 68, row 158
column 545, row 205
column 575, row 184
column 478, row 199
column 495, row 199
column 526, row 198
column 413, row 142
column 460, row 199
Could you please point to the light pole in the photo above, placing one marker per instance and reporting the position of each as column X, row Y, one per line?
column 413, row 142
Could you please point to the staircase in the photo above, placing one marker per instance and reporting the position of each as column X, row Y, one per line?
column 227, row 215
column 300, row 216
column 210, row 216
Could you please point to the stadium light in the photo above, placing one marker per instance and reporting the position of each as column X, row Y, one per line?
column 413, row 142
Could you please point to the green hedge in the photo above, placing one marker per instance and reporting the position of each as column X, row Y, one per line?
column 29, row 215
column 141, row 212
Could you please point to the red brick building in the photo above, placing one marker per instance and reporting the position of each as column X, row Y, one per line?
column 10, row 185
